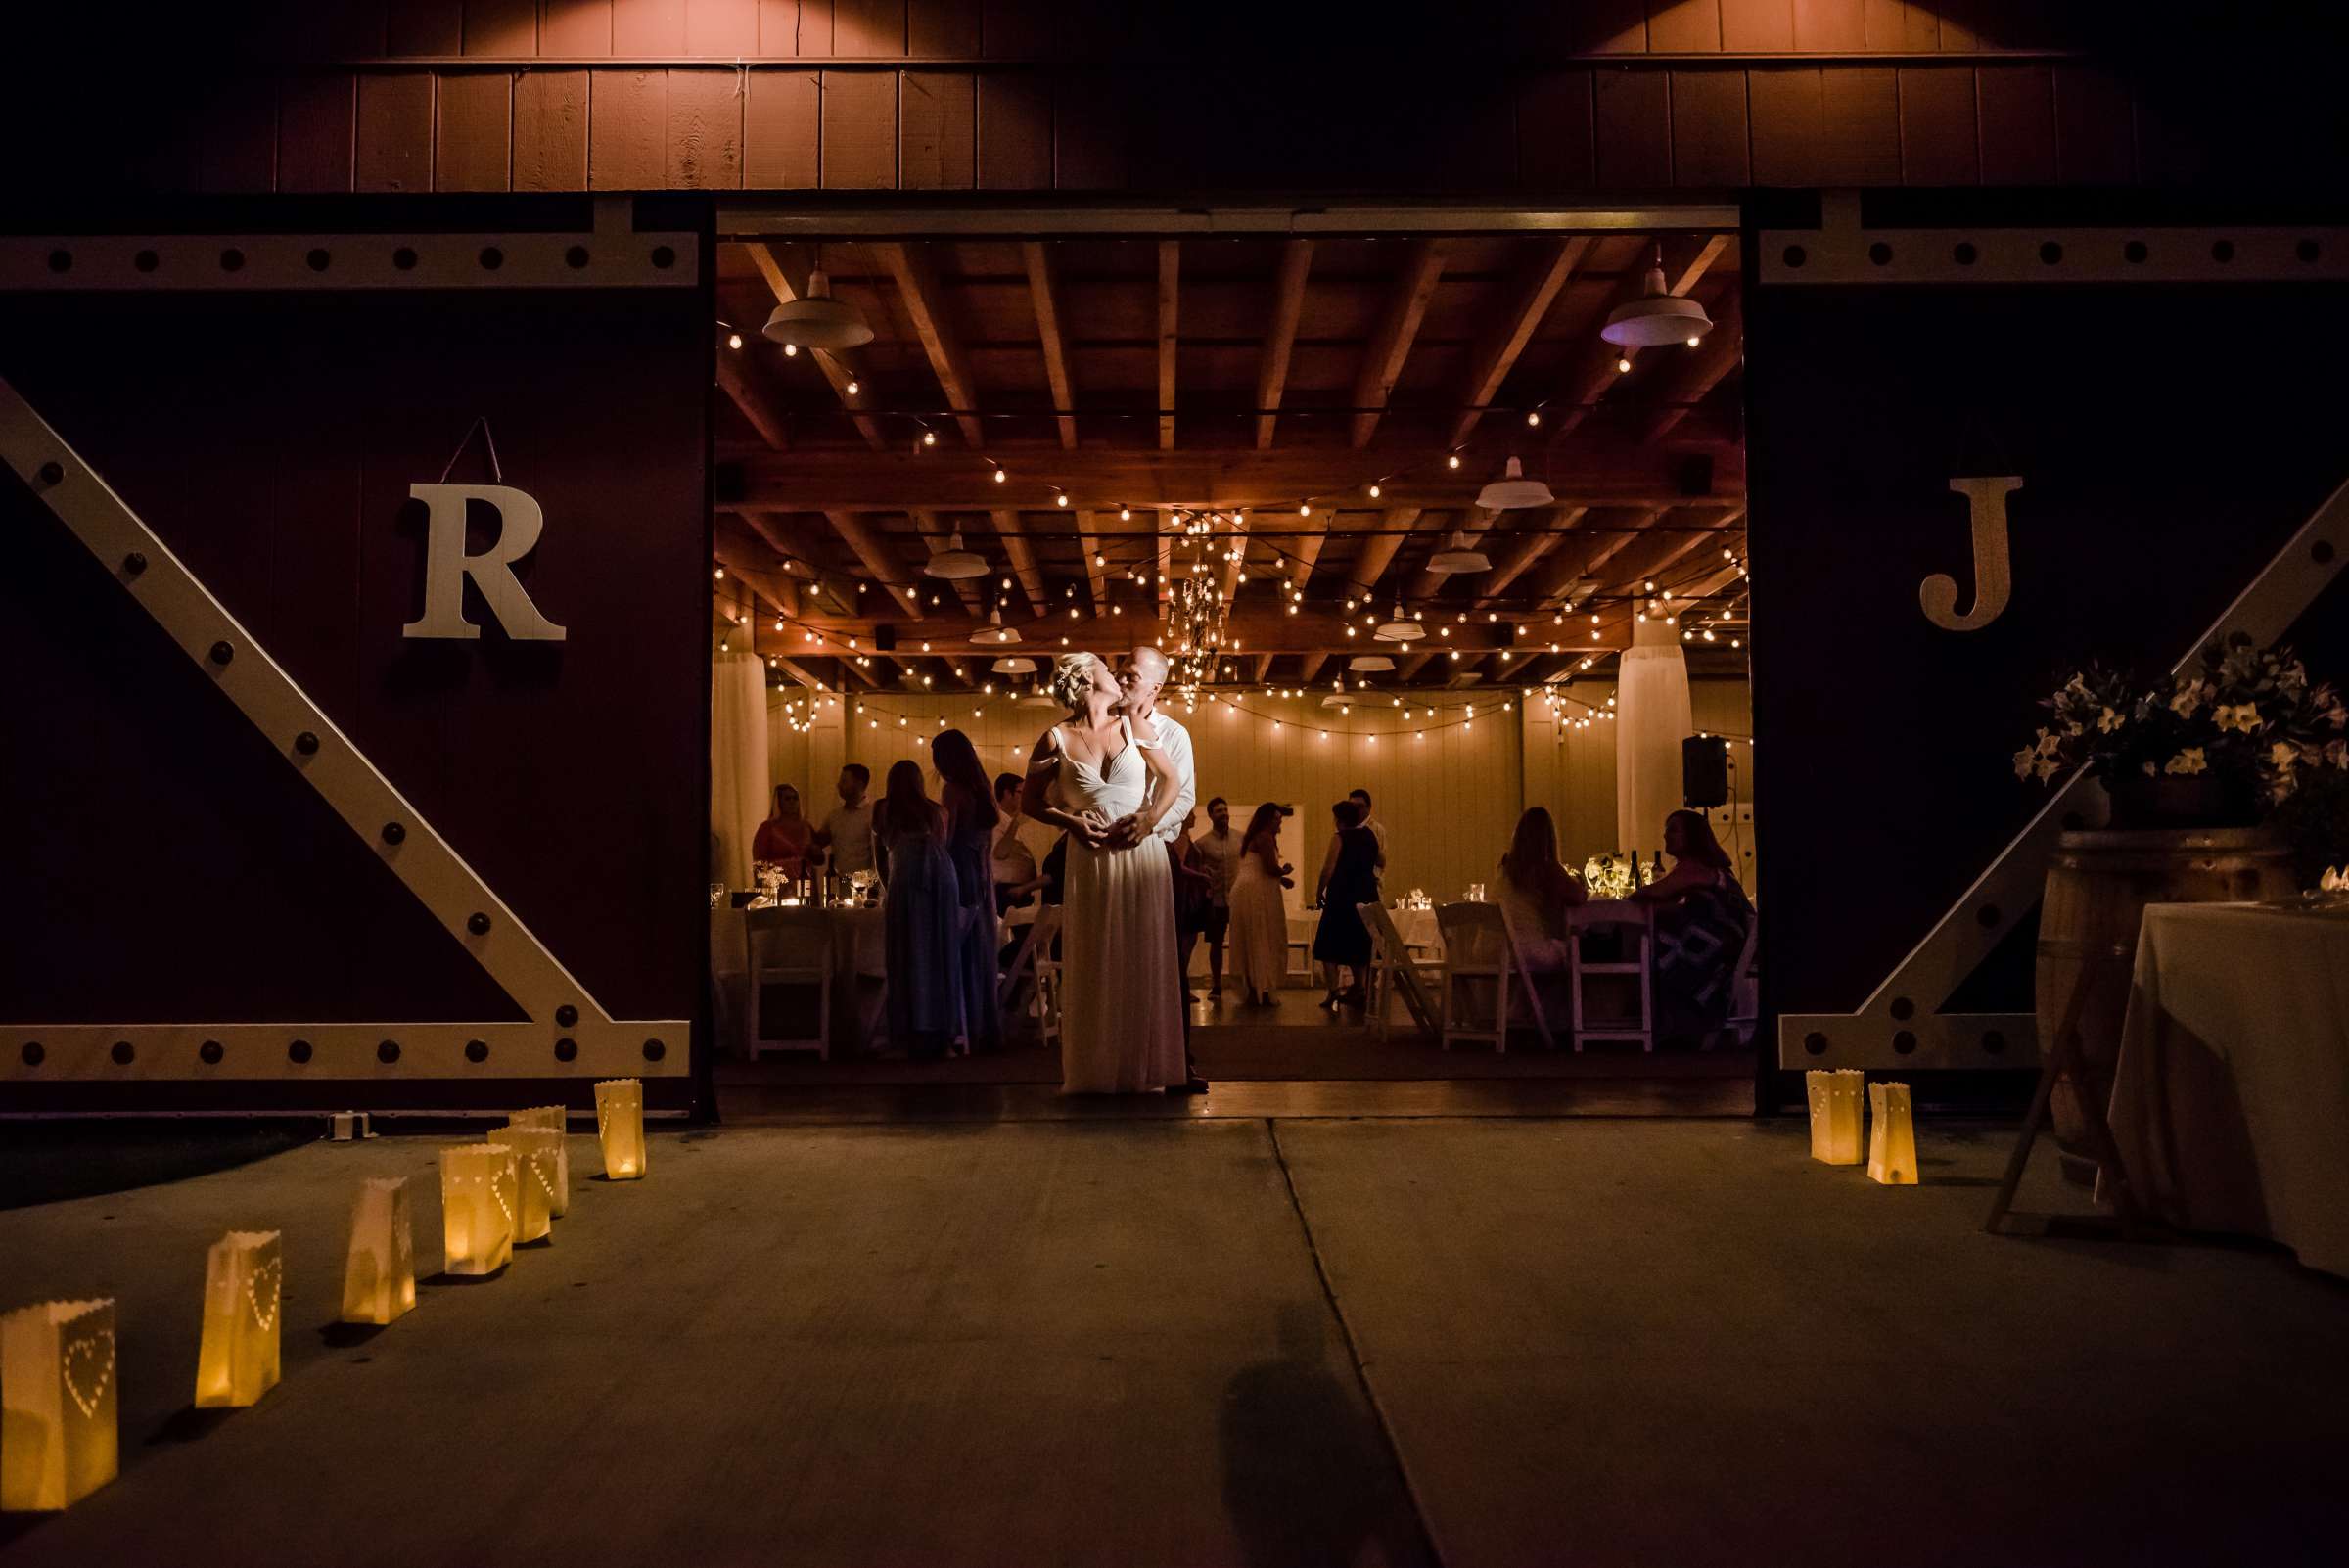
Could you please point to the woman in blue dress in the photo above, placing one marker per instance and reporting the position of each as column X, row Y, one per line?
column 922, row 918
column 970, row 819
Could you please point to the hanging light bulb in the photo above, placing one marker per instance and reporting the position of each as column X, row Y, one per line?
column 733, row 339
column 929, row 438
column 851, row 389
column 1374, row 492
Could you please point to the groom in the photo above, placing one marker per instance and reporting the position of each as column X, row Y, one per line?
column 1141, row 676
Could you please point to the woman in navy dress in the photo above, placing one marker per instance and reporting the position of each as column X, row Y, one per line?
column 922, row 918
column 971, row 819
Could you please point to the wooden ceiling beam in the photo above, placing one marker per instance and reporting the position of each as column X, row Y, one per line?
column 860, row 538
column 1378, row 549
column 1610, row 543
column 1530, row 548
column 1264, row 667
column 1536, row 291
column 836, row 370
column 780, row 592
column 910, row 267
column 1310, row 665
column 1280, row 337
column 1170, row 306
column 1383, row 359
column 1597, row 372
column 1104, row 478
column 739, row 378
column 1015, row 544
column 1043, row 290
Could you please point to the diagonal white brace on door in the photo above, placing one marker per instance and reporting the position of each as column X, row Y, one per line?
column 561, row 1011
column 1900, row 1025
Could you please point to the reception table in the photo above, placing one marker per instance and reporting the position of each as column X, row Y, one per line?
column 2230, row 1093
column 859, row 959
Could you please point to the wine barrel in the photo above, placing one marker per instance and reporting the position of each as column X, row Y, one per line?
column 2099, row 885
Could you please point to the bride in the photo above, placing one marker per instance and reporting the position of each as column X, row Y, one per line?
column 1103, row 778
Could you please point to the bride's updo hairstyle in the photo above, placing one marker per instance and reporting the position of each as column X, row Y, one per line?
column 1071, row 678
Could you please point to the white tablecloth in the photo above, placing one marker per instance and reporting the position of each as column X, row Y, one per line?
column 2231, row 1096
column 859, row 951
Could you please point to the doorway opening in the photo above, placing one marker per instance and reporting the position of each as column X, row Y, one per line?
column 1409, row 526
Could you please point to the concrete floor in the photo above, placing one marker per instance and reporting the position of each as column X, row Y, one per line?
column 1218, row 1341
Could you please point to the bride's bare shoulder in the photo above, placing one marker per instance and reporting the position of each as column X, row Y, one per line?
column 1047, row 748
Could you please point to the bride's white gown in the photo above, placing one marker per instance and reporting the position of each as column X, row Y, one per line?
column 1121, row 1024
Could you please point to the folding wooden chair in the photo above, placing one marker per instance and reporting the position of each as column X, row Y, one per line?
column 1035, row 963
column 1745, row 992
column 1639, row 969
column 1480, row 947
column 788, row 948
column 1395, row 972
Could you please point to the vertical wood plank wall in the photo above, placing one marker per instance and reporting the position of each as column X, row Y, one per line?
column 1072, row 94
column 1450, row 801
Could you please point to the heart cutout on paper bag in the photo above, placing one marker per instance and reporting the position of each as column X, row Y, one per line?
column 77, row 1360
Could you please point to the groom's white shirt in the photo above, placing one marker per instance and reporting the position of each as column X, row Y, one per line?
column 1176, row 742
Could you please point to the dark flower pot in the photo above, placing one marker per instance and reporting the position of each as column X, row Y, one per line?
column 2181, row 801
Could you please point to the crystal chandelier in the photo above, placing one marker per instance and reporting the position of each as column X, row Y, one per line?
column 1197, row 610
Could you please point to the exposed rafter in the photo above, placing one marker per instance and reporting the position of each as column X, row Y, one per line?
column 1044, row 288
column 1382, row 361
column 1700, row 372
column 862, row 537
column 1169, row 303
column 1378, row 549
column 1534, row 291
column 738, row 376
column 1281, row 335
column 1014, row 533
column 836, row 371
column 1308, row 666
column 1530, row 548
column 910, row 267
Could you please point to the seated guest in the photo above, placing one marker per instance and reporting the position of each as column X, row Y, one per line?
column 1702, row 917
column 1534, row 891
column 922, row 918
column 786, row 838
column 1018, row 879
column 1349, row 879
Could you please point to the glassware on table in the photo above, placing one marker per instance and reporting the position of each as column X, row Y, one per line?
column 717, row 896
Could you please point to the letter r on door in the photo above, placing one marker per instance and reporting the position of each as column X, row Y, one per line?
column 446, row 566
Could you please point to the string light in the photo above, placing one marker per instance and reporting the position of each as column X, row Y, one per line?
column 734, row 339
column 791, row 350
column 851, row 389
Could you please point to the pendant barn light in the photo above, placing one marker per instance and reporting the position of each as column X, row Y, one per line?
column 955, row 563
column 1369, row 664
column 1399, row 629
column 995, row 633
column 1509, row 492
column 1459, row 558
column 1657, row 317
column 1016, row 664
column 816, row 320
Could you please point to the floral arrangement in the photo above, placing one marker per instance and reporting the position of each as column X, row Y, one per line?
column 1606, row 877
column 2245, row 716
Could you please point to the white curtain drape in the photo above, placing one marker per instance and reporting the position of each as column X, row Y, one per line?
column 738, row 764
column 1652, row 717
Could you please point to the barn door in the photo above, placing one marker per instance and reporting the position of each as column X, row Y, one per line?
column 1980, row 457
column 358, row 616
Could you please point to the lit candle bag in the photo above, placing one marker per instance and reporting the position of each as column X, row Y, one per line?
column 243, row 1290
column 379, row 1271
column 535, row 1153
column 556, row 1120
column 1835, row 1096
column 620, row 1125
column 56, row 1403
column 478, row 1190
column 1890, row 1137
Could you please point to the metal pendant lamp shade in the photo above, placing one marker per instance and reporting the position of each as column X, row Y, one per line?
column 1016, row 664
column 995, row 633
column 955, row 563
column 816, row 320
column 1656, row 318
column 1399, row 629
column 1369, row 664
column 1459, row 558
column 1510, row 492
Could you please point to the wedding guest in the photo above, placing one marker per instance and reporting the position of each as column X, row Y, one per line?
column 1260, row 918
column 1218, row 854
column 1378, row 829
column 846, row 834
column 967, row 800
column 1349, row 879
column 1018, row 878
column 1192, row 890
column 1534, row 891
column 922, row 918
column 1702, row 917
column 785, row 837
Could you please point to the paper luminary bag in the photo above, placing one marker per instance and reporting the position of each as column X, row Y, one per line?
column 1890, row 1137
column 244, row 1286
column 533, row 1177
column 1835, row 1096
column 556, row 1120
column 620, row 1125
column 58, row 1437
column 379, row 1275
column 477, row 1196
